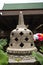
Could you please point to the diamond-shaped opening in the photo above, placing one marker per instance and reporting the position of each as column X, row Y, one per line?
column 30, row 33
column 16, row 39
column 11, row 44
column 21, row 33
column 31, row 44
column 26, row 39
column 21, row 45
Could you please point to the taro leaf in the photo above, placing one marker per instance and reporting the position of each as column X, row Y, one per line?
column 3, row 58
column 38, row 56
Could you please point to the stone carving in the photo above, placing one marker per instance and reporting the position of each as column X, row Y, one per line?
column 21, row 42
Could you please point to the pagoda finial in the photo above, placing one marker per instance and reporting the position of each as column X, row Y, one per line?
column 21, row 20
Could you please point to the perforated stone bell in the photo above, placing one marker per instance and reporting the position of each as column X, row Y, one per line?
column 21, row 42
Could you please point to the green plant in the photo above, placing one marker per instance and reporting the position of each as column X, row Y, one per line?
column 3, row 43
column 3, row 58
column 3, row 55
column 41, row 49
column 38, row 56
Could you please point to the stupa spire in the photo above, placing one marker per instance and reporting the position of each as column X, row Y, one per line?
column 21, row 20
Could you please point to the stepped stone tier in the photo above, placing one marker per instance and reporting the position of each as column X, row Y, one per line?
column 21, row 43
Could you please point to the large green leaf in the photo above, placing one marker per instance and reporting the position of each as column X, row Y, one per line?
column 1, row 47
column 38, row 56
column 3, row 58
column 3, row 55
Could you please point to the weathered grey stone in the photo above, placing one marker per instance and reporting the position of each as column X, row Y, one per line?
column 21, row 44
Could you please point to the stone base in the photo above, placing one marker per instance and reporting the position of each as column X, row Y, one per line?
column 29, row 62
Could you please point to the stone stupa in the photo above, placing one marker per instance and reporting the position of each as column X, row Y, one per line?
column 21, row 43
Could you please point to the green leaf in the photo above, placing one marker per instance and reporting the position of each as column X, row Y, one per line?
column 3, row 55
column 41, row 48
column 3, row 42
column 1, row 47
column 3, row 58
column 38, row 56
